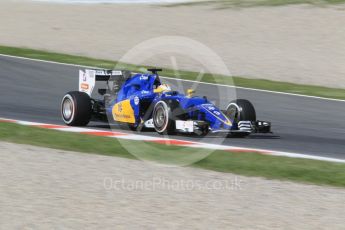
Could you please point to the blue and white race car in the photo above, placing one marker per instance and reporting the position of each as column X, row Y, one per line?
column 141, row 101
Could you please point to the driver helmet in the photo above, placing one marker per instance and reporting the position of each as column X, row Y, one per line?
column 163, row 88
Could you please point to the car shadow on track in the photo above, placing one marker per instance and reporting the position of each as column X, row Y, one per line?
column 263, row 136
column 196, row 137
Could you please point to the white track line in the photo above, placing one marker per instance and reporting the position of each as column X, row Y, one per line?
column 169, row 141
column 205, row 83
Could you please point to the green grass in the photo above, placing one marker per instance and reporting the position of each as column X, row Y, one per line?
column 221, row 4
column 188, row 75
column 249, row 164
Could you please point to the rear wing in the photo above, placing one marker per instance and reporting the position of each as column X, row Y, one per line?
column 88, row 78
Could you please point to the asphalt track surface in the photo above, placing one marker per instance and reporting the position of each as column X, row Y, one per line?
column 32, row 91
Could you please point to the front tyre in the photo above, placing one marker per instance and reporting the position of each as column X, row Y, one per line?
column 240, row 110
column 163, row 118
column 76, row 108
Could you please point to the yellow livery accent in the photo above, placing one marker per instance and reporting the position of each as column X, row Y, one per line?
column 227, row 121
column 123, row 112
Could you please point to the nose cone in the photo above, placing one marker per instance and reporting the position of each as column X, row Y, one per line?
column 215, row 115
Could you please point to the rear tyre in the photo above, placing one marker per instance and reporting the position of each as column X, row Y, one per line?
column 163, row 118
column 76, row 108
column 240, row 110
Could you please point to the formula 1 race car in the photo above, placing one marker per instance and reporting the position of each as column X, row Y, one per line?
column 141, row 101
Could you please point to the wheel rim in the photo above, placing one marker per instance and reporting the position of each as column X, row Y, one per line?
column 67, row 109
column 233, row 112
column 160, row 118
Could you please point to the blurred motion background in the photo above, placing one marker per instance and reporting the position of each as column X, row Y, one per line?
column 302, row 43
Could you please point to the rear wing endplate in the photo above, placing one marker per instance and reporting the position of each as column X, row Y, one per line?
column 88, row 78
